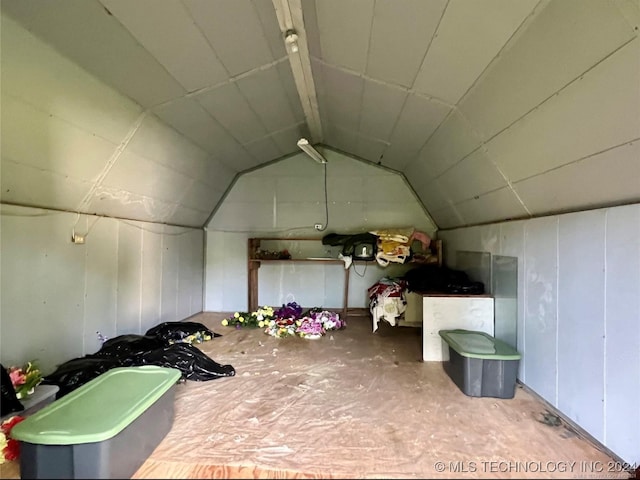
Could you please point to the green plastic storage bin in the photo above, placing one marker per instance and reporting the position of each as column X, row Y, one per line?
column 481, row 365
column 103, row 429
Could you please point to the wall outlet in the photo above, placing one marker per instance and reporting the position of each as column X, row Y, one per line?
column 318, row 226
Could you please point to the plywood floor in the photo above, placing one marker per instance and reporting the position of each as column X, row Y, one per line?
column 354, row 404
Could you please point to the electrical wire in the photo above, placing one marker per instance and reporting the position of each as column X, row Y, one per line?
column 190, row 230
column 290, row 229
column 363, row 271
column 326, row 201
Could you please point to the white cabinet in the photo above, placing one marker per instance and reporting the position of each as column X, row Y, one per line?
column 445, row 312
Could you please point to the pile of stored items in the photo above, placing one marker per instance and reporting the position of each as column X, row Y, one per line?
column 168, row 344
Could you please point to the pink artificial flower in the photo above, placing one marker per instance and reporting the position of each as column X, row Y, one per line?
column 17, row 377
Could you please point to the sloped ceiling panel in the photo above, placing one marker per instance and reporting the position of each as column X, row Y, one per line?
column 478, row 104
column 88, row 35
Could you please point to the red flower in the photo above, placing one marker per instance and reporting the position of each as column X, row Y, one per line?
column 12, row 450
column 7, row 425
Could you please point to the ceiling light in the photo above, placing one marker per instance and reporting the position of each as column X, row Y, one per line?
column 291, row 40
column 306, row 147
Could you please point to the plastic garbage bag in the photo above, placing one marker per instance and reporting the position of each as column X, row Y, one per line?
column 78, row 371
column 190, row 360
column 174, row 332
column 129, row 348
column 9, row 402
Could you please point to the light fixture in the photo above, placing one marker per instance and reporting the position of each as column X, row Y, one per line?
column 291, row 40
column 306, row 147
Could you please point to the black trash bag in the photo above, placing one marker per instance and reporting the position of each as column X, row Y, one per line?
column 433, row 278
column 9, row 402
column 129, row 349
column 177, row 331
column 466, row 288
column 78, row 371
column 190, row 360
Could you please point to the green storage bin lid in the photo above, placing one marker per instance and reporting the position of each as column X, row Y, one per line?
column 99, row 409
column 473, row 344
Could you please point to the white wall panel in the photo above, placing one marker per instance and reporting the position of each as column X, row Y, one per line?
column 170, row 272
column 101, row 289
column 494, row 205
column 431, row 194
column 512, row 243
column 283, row 283
column 343, row 98
column 389, row 187
column 609, row 177
column 63, row 293
column 136, row 73
column 187, row 56
column 622, row 335
column 248, row 50
column 189, row 118
column 36, row 138
column 578, row 313
column 450, row 143
column 200, row 196
column 581, row 319
column 344, row 31
column 110, row 202
column 597, row 112
column 469, row 36
column 361, row 197
column 151, row 276
column 227, row 105
column 474, row 175
column 38, row 75
column 226, row 271
column 136, row 174
column 397, row 25
column 164, row 145
column 188, row 216
column 32, row 186
column 43, row 284
column 129, row 278
column 267, row 97
column 370, row 149
column 562, row 42
column 76, row 132
column 541, row 306
column 191, row 273
column 419, row 118
column 295, row 188
column 381, row 106
column 343, row 189
column 262, row 150
column 447, row 217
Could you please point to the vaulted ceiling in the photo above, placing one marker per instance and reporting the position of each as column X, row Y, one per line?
column 492, row 109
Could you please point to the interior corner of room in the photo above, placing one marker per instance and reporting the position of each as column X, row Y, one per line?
column 149, row 151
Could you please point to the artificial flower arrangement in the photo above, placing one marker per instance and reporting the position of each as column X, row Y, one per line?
column 318, row 322
column 282, row 327
column 259, row 318
column 10, row 447
column 197, row 337
column 288, row 321
column 25, row 379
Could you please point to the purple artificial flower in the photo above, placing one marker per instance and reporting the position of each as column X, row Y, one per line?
column 290, row 310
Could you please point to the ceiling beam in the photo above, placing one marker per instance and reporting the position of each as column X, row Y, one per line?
column 289, row 13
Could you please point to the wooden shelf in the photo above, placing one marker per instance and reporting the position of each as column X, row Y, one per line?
column 296, row 260
column 253, row 265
